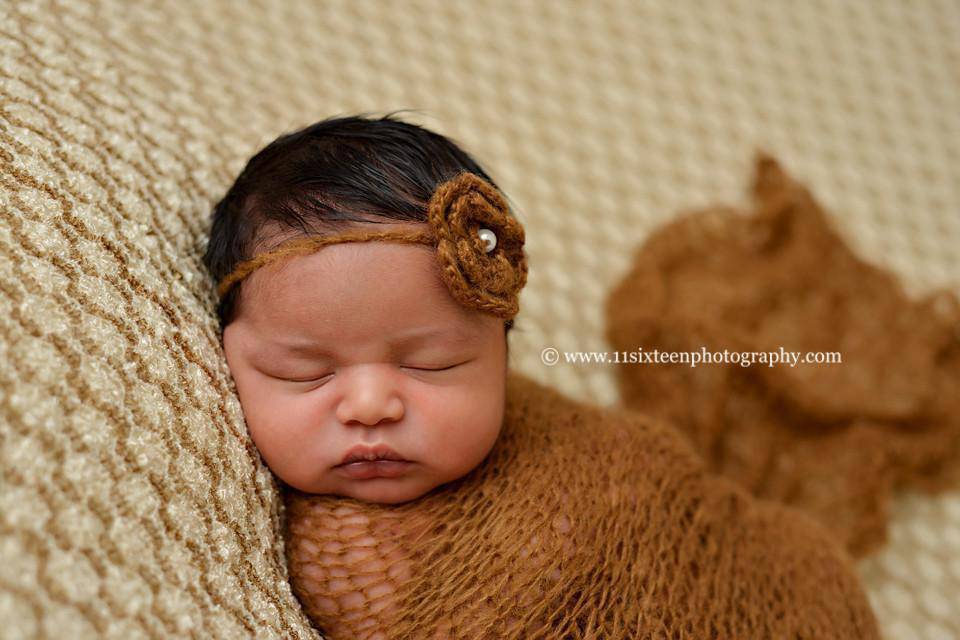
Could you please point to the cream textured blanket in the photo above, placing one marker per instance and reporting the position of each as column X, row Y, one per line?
column 132, row 503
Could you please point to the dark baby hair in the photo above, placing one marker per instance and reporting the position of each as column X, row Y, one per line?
column 336, row 171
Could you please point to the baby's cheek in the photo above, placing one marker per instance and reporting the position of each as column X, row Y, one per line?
column 460, row 426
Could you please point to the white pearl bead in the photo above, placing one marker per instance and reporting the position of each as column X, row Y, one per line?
column 489, row 239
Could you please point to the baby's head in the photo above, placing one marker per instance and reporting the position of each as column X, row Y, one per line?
column 394, row 347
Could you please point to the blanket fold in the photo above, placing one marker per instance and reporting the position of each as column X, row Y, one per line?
column 833, row 439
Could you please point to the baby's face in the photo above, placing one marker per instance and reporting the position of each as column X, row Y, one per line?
column 362, row 345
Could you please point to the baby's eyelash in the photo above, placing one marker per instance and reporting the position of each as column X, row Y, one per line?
column 317, row 379
column 325, row 376
column 437, row 369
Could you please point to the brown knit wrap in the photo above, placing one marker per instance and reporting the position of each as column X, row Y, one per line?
column 580, row 523
column 489, row 282
column 834, row 440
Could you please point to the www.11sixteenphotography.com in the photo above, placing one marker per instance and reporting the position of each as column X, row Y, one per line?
column 551, row 356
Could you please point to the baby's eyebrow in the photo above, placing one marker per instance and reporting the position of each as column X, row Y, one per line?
column 404, row 341
column 420, row 336
column 301, row 348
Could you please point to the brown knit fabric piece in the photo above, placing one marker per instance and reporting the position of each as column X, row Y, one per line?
column 582, row 522
column 830, row 439
column 478, row 279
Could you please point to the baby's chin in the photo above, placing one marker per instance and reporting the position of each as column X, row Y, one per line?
column 386, row 490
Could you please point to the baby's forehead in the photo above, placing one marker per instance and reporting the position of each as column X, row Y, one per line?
column 389, row 283
column 287, row 335
column 345, row 268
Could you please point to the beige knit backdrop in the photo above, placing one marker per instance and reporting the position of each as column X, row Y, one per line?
column 132, row 503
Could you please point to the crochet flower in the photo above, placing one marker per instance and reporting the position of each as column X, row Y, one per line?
column 479, row 245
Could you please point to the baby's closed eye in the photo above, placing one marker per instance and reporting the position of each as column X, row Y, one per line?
column 437, row 365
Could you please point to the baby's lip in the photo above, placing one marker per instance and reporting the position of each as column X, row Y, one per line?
column 374, row 469
column 361, row 453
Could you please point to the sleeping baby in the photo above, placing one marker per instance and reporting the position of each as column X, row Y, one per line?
column 369, row 273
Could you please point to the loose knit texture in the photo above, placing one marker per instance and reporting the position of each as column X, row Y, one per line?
column 458, row 209
column 582, row 522
column 834, row 439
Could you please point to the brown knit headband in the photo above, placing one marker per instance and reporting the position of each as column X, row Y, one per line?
column 479, row 246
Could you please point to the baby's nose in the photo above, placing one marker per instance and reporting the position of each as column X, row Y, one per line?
column 369, row 398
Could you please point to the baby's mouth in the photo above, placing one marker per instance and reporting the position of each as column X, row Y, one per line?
column 381, row 468
column 362, row 453
column 373, row 458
